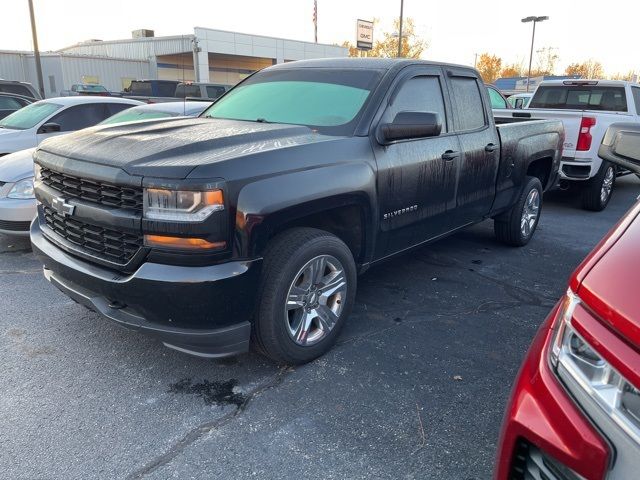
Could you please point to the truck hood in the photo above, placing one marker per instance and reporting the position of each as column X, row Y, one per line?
column 610, row 278
column 16, row 166
column 172, row 148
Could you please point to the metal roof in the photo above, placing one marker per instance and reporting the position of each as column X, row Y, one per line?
column 134, row 48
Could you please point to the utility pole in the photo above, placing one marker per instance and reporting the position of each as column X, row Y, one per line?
column 533, row 36
column 400, row 30
column 475, row 60
column 36, row 51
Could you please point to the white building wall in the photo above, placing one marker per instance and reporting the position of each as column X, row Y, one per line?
column 59, row 72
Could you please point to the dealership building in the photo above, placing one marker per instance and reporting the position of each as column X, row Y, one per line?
column 207, row 55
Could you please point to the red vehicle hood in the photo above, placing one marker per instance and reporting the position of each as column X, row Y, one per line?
column 608, row 279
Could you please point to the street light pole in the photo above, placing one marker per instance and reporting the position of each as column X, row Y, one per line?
column 36, row 51
column 400, row 30
column 533, row 36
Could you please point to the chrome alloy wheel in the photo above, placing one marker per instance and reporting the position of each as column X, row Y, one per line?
column 315, row 300
column 530, row 213
column 607, row 185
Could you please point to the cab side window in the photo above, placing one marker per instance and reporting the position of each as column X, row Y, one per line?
column 418, row 94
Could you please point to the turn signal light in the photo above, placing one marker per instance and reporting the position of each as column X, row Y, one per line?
column 184, row 243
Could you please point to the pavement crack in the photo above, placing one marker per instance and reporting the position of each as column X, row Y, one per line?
column 204, row 428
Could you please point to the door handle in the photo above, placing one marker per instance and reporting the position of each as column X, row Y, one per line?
column 490, row 148
column 450, row 155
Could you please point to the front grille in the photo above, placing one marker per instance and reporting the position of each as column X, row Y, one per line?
column 110, row 245
column 93, row 191
column 531, row 463
column 14, row 226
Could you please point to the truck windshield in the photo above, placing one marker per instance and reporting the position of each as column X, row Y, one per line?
column 583, row 97
column 29, row 116
column 329, row 100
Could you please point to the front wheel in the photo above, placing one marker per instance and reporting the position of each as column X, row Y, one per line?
column 517, row 226
column 307, row 291
column 597, row 192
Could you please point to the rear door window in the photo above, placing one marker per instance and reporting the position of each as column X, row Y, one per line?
column 582, row 97
column 470, row 114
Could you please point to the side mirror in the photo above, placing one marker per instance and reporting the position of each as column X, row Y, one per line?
column 621, row 146
column 519, row 103
column 49, row 128
column 408, row 125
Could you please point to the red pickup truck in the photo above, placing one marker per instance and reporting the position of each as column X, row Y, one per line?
column 575, row 409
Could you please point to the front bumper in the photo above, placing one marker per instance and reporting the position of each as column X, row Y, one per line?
column 16, row 215
column 203, row 311
column 541, row 414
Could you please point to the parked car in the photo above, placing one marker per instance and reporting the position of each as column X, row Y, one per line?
column 574, row 412
column 520, row 100
column 10, row 103
column 201, row 90
column 497, row 99
column 17, row 200
column 30, row 125
column 257, row 216
column 152, row 91
column 586, row 108
column 156, row 111
column 19, row 88
column 85, row 89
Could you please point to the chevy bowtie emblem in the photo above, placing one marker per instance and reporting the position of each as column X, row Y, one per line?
column 64, row 209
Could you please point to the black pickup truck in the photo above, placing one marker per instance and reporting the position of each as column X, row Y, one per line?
column 251, row 223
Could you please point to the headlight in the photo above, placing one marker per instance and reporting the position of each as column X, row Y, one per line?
column 22, row 189
column 37, row 172
column 181, row 205
column 610, row 390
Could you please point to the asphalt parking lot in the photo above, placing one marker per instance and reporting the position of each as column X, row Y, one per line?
column 415, row 388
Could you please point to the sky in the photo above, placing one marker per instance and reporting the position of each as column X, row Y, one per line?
column 455, row 29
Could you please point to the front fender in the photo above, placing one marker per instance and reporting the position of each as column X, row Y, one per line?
column 267, row 203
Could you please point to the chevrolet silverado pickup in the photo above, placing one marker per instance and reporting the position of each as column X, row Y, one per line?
column 586, row 108
column 249, row 224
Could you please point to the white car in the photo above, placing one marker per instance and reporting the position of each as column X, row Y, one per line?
column 27, row 127
column 17, row 202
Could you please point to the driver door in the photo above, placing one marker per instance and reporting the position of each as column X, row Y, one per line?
column 416, row 177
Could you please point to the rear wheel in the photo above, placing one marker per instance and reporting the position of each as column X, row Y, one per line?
column 307, row 292
column 596, row 193
column 516, row 227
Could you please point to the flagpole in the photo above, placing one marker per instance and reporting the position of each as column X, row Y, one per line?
column 315, row 19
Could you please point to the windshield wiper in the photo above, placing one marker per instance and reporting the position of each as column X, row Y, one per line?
column 262, row 120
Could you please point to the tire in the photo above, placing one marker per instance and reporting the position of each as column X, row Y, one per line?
column 597, row 192
column 295, row 321
column 512, row 228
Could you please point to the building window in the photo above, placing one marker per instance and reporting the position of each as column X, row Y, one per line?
column 52, row 84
